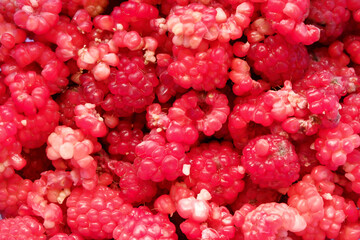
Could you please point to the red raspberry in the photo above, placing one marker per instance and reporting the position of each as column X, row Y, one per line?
column 66, row 144
column 95, row 214
column 132, row 188
column 13, row 193
column 243, row 82
column 64, row 236
column 201, row 70
column 351, row 45
column 350, row 231
column 352, row 169
column 54, row 71
column 37, row 16
column 330, row 17
column 349, row 111
column 36, row 163
column 216, row 168
column 271, row 161
column 9, row 36
column 333, row 145
column 21, row 228
column 141, row 223
column 131, row 87
column 196, row 112
column 124, row 139
column 272, row 221
column 7, row 9
column 35, row 129
column 67, row 102
column 158, row 160
column 255, row 195
column 305, row 198
column 291, row 60
column 156, row 118
column 89, row 121
column 287, row 18
column 92, row 90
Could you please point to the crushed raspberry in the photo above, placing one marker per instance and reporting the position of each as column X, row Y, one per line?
column 271, row 220
column 96, row 213
column 271, row 161
column 141, row 223
column 21, row 228
column 277, row 60
column 216, row 168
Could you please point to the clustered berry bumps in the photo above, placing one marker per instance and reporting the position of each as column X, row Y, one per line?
column 179, row 119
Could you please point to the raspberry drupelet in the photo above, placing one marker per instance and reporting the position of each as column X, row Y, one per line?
column 196, row 112
column 216, row 167
column 271, row 161
column 21, row 228
column 158, row 160
column 141, row 223
column 64, row 236
column 277, row 60
column 272, row 221
column 95, row 214
column 67, row 101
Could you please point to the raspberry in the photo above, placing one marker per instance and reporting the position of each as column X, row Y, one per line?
column 64, row 236
column 352, row 169
column 330, row 17
column 305, row 198
column 95, row 214
column 67, row 102
column 93, row 91
column 195, row 209
column 21, row 228
column 350, row 231
column 287, row 16
column 36, row 163
column 89, row 121
column 272, row 220
column 196, row 111
column 156, row 118
column 132, row 188
column 124, row 139
column 216, row 168
column 351, row 45
column 243, row 83
column 271, row 161
column 37, row 16
column 158, row 160
column 131, row 87
column 201, row 70
column 68, row 144
column 255, row 195
column 350, row 111
column 35, row 129
column 354, row 6
column 53, row 70
column 141, row 223
column 333, row 145
column 291, row 60
column 14, row 192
